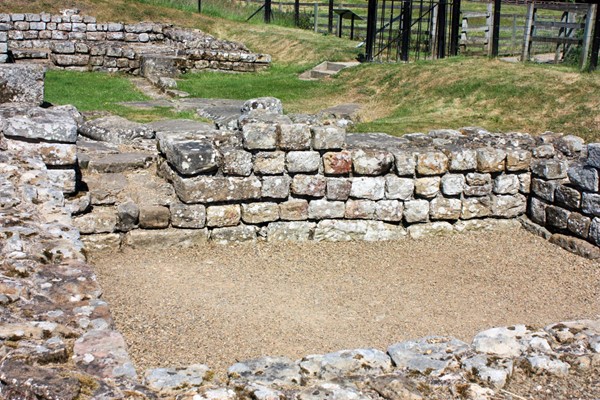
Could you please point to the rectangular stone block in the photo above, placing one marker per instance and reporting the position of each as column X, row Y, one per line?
column 537, row 210
column 269, row 163
column 260, row 136
column 584, row 177
column 544, row 189
column 590, row 204
column 165, row 238
column 298, row 231
column 276, row 187
column 593, row 159
column 257, row 213
column 303, row 161
column 442, row 208
column 192, row 216
column 219, row 216
column 567, row 197
column 328, row 138
column 462, row 159
column 427, row 187
column 399, row 188
column 371, row 188
column 337, row 163
column 338, row 188
column 405, row 162
column 506, row 184
column 416, row 211
column 476, row 207
column 154, row 217
column 549, row 169
column 345, row 230
column 478, row 184
column 325, row 209
column 64, row 180
column 509, row 206
column 294, row 210
column 294, row 137
column 389, row 210
column 309, row 185
column 576, row 246
column 579, row 224
column 371, row 162
column 360, row 209
column 432, row 163
column 525, row 183
column 22, row 83
column 99, row 220
column 490, row 160
column 518, row 160
column 453, row 184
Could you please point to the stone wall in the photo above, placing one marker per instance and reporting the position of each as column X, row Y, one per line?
column 4, row 28
column 79, row 42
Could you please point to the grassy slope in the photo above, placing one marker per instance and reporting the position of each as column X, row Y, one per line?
column 398, row 98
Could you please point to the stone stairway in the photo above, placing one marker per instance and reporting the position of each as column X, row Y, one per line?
column 326, row 69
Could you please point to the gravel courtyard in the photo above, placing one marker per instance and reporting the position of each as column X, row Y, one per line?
column 217, row 304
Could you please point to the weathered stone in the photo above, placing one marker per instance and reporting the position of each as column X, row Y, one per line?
column 52, row 154
column 260, row 136
column 419, row 231
column 567, row 196
column 444, row 208
column 105, row 188
column 168, row 379
column 100, row 220
column 324, row 209
column 115, row 129
column 506, row 184
column 338, row 188
column 544, row 151
column 103, row 353
column 570, row 145
column 525, row 183
column 371, row 188
column 276, row 187
column 509, row 206
column 575, row 245
column 371, row 162
column 337, row 163
column 42, row 124
column 360, row 209
column 236, row 162
column 79, row 203
column 303, row 161
column 165, row 238
column 478, row 184
column 453, row 184
column 584, row 177
column 102, row 243
column 432, row 355
column 427, row 187
column 487, row 225
column 294, row 210
column 127, row 216
column 491, row 371
column 476, row 207
column 121, row 162
column 416, row 211
column 191, row 216
column 219, row 216
column 269, row 163
column 490, row 160
column 389, row 210
column 345, row 363
column 277, row 371
column 191, row 157
column 296, row 231
column 267, row 104
column 579, row 224
column 399, row 188
column 256, row 213
column 594, row 234
column 328, row 138
column 22, row 83
column 557, row 217
column 518, row 160
column 593, row 150
column 294, row 137
column 544, row 189
column 309, row 185
column 233, row 234
column 462, row 159
column 345, row 230
column 329, row 390
column 590, row 204
column 154, row 217
column 395, row 386
column 24, row 381
column 549, row 169
column 405, row 161
column 64, row 180
column 537, row 210
column 432, row 163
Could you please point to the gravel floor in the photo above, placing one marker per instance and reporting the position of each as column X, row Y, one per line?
column 219, row 304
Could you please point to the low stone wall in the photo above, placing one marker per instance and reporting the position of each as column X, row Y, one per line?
column 79, row 42
column 4, row 28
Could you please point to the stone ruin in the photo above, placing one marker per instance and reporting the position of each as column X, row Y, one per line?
column 70, row 185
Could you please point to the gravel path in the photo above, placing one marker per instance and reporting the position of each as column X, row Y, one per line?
column 218, row 304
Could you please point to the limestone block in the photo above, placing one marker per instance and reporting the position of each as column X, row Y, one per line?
column 120, row 162
column 389, row 210
column 509, row 206
column 537, row 210
column 100, row 220
column 191, row 216
column 487, row 224
column 360, row 209
column 416, row 211
column 338, row 188
column 294, row 210
column 428, row 355
column 309, row 185
column 593, row 159
column 345, row 230
column 220, row 216
column 103, row 352
column 567, row 196
column 276, row 187
column 518, row 160
column 579, row 247
column 105, row 188
column 405, row 162
column 63, row 47
column 371, row 188
column 461, row 159
column 209, row 189
column 269, row 163
column 579, row 224
column 590, row 204
column 70, row 60
column 594, row 234
column 478, row 184
column 584, row 177
column 399, row 188
column 52, row 154
column 233, row 234
column 115, row 129
column 260, row 136
column 79, row 203
column 371, row 162
column 296, row 231
column 256, row 213
column 276, row 371
column 570, row 145
column 294, row 137
column 476, row 207
column 525, row 183
column 266, row 104
column 303, row 161
column 191, row 157
column 506, row 184
column 427, row 187
column 42, row 124
column 64, row 180
column 359, row 362
column 544, row 189
column 236, row 162
column 490, row 160
column 164, row 238
column 128, row 214
column 324, row 209
column 337, row 163
column 445, row 208
column 419, row 231
column 102, row 243
column 328, row 138
column 432, row 163
column 168, row 379
column 453, row 184
column 549, row 169
column 154, row 217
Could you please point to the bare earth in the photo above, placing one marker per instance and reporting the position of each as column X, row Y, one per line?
column 219, row 304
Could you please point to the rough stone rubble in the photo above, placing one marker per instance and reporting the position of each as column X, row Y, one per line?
column 67, row 184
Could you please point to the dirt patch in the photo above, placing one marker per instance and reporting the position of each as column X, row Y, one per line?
column 218, row 304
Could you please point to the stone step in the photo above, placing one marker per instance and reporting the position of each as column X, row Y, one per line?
column 115, row 163
column 326, row 69
column 30, row 54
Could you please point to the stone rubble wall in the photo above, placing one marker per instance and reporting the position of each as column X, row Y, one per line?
column 73, row 41
column 4, row 29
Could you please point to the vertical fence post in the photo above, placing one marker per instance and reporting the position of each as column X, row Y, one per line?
column 528, row 32
column 371, row 29
column 464, row 35
column 433, row 30
column 406, row 25
column 199, row 6
column 496, row 31
column 490, row 28
column 455, row 31
column 316, row 17
column 297, row 13
column 587, row 35
column 596, row 42
column 330, row 18
column 514, row 34
column 267, row 11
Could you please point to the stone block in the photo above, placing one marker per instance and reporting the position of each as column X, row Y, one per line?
column 487, row 225
column 360, row 209
column 100, row 220
column 309, row 185
column 594, row 234
column 220, row 216
column 154, row 217
column 584, row 177
column 549, row 169
column 63, row 47
column 269, row 163
column 490, row 160
column 371, row 162
column 453, row 184
column 276, row 187
column 427, row 187
column 345, row 230
column 416, row 211
column 576, row 246
column 567, row 196
column 371, row 188
column 476, row 207
column 506, row 184
column 328, row 138
column 419, row 231
column 518, row 160
column 105, row 189
column 70, row 60
column 590, row 204
column 445, row 208
column 389, row 210
column 478, row 184
column 399, row 188
column 325, row 209
column 297, row 231
column 405, row 162
column 260, row 136
column 544, row 189
column 294, row 137
column 191, row 157
column 257, row 213
column 128, row 214
column 462, row 159
column 102, row 243
column 64, row 180
column 509, row 206
column 22, row 83
column 557, row 217
column 593, row 150
column 303, row 161
column 537, row 210
column 294, row 210
column 525, row 183
column 432, row 163
column 337, row 163
column 165, row 238
column 118, row 130
column 191, row 216
column 338, row 188
column 579, row 224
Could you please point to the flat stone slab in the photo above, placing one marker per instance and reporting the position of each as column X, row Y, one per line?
column 114, row 163
column 22, row 83
column 179, row 126
column 147, row 105
column 42, row 124
column 114, row 129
